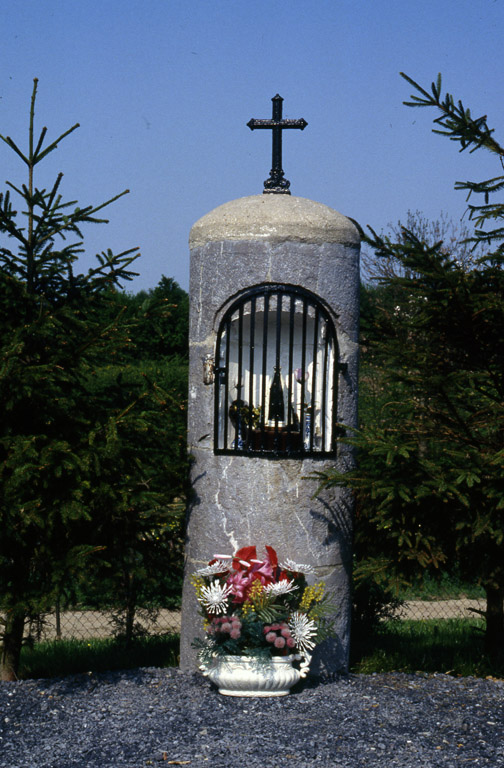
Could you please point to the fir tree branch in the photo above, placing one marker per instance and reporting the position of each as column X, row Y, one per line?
column 457, row 122
column 16, row 149
column 38, row 157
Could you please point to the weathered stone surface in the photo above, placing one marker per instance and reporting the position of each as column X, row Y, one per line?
column 240, row 500
column 274, row 218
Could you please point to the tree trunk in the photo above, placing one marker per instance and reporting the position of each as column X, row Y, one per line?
column 494, row 631
column 58, row 617
column 11, row 645
column 131, row 603
column 130, row 621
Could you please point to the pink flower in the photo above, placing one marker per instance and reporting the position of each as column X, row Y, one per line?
column 240, row 583
column 247, row 569
column 235, row 634
column 279, row 642
column 262, row 570
column 271, row 637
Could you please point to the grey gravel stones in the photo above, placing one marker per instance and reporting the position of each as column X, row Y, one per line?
column 156, row 717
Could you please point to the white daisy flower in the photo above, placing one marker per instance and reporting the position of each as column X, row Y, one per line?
column 215, row 597
column 210, row 570
column 290, row 565
column 302, row 629
column 281, row 587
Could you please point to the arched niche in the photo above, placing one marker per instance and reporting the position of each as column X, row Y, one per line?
column 276, row 374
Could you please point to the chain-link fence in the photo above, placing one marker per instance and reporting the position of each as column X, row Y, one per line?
column 441, row 608
column 86, row 625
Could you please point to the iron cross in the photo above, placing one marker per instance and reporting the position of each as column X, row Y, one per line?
column 276, row 182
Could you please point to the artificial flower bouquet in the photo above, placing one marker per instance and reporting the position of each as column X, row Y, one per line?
column 260, row 608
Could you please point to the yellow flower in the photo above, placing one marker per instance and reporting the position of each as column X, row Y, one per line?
column 255, row 591
column 198, row 582
column 255, row 598
column 312, row 594
column 247, row 608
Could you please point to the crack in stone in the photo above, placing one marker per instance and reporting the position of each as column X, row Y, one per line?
column 230, row 534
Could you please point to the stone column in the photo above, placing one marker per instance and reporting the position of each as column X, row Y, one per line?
column 242, row 500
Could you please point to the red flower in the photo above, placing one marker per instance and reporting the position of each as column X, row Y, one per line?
column 245, row 554
column 247, row 569
column 272, row 556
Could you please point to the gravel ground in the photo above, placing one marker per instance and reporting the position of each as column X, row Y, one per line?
column 158, row 717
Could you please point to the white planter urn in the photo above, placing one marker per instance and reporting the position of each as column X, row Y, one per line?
column 248, row 676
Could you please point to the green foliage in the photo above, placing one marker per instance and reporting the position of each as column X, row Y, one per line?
column 92, row 460
column 164, row 321
column 37, row 263
column 372, row 601
column 142, row 489
column 457, row 123
column 430, row 482
column 442, row 586
column 449, row 646
column 157, row 321
column 69, row 657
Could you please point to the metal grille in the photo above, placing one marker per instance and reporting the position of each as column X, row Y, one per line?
column 276, row 375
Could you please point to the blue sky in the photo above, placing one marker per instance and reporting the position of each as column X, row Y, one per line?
column 163, row 90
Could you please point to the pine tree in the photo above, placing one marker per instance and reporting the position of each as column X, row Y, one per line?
column 68, row 464
column 431, row 478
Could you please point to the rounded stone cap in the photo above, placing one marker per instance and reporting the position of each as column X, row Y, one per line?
column 274, row 218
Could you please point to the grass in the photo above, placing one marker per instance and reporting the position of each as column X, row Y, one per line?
column 447, row 586
column 452, row 646
column 59, row 658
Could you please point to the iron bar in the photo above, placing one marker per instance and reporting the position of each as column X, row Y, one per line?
column 314, row 379
column 290, row 408
column 325, row 373
column 251, row 369
column 264, row 368
column 226, row 385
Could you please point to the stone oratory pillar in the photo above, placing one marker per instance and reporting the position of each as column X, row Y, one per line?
column 274, row 289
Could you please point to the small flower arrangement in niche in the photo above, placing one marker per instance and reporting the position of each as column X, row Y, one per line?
column 261, row 608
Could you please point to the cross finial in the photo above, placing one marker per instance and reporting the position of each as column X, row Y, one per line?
column 276, row 183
